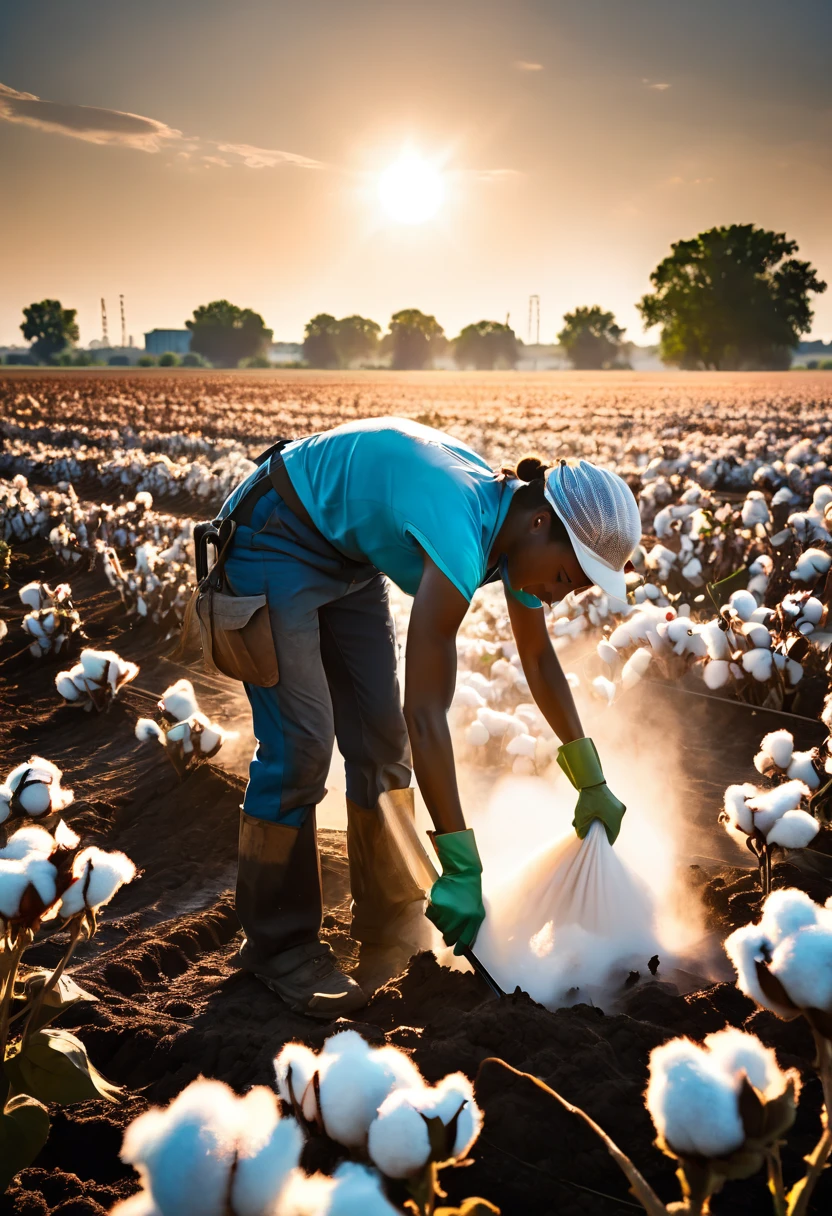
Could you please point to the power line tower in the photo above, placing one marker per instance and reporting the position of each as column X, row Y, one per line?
column 123, row 325
column 534, row 319
column 105, row 337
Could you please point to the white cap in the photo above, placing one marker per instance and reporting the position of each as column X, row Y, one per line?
column 600, row 514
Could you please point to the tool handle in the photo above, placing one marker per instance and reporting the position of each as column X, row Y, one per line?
column 485, row 976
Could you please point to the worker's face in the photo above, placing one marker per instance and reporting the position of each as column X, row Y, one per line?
column 543, row 567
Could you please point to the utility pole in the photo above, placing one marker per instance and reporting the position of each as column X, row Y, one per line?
column 123, row 326
column 105, row 337
column 534, row 319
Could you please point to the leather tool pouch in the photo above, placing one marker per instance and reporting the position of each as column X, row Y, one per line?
column 235, row 630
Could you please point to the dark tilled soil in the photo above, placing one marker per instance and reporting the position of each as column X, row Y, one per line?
column 172, row 1004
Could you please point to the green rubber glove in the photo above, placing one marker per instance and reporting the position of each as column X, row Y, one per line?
column 455, row 901
column 579, row 760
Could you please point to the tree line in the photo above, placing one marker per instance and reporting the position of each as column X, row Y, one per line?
column 730, row 298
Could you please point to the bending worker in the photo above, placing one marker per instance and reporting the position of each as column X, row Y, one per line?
column 318, row 529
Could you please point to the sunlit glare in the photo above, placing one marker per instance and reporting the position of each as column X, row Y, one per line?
column 411, row 190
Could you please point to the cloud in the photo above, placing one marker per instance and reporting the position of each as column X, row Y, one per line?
column 523, row 65
column 97, row 125
column 658, row 85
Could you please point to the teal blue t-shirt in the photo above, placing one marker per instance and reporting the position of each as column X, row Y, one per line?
column 383, row 489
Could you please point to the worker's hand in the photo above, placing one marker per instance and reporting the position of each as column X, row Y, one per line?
column 455, row 901
column 579, row 760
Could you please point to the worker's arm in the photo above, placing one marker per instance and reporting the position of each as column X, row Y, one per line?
column 430, row 678
column 542, row 669
column 578, row 756
column 455, row 901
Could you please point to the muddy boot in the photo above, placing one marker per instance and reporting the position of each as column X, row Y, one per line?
column 280, row 908
column 388, row 905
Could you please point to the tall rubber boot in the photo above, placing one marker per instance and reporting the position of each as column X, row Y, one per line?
column 280, row 907
column 388, row 905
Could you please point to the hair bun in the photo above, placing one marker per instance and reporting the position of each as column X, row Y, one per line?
column 531, row 468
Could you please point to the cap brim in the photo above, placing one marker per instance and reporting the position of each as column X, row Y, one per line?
column 612, row 582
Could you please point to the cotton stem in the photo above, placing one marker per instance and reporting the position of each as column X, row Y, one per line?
column 802, row 1193
column 640, row 1187
column 49, row 984
column 775, row 1181
column 13, row 962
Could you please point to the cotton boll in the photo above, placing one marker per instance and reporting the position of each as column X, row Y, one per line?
column 294, row 1066
column 572, row 679
column 755, row 509
column 812, row 610
column 66, row 686
column 398, row 1141
column 354, row 1081
column 716, row 673
column 147, row 730
column 635, row 667
column 28, row 841
column 185, row 1153
column 357, row 1192
column 794, row 830
column 95, row 662
column 772, row 805
column 179, row 701
column 521, row 745
column 758, row 635
column 716, row 639
column 607, row 653
column 477, row 735
column 32, row 595
column 466, row 697
column 786, row 912
column 758, row 663
column 810, row 565
column 736, row 809
column 743, row 603
column 523, row 766
column 603, row 689
column 794, row 672
column 692, row 1102
column 495, row 723
column 802, row 768
column 778, row 745
column 802, row 963
column 269, row 1148
column 739, row 1053
column 15, row 876
column 97, row 876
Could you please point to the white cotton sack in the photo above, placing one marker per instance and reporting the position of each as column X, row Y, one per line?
column 355, row 1078
column 97, row 875
column 794, row 830
column 566, row 918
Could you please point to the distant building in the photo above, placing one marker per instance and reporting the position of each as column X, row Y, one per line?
column 159, row 341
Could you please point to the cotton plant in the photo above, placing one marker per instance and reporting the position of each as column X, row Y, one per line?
column 188, row 736
column 769, row 820
column 33, row 791
column 51, row 622
column 96, row 680
column 374, row 1103
column 784, row 963
column 46, row 879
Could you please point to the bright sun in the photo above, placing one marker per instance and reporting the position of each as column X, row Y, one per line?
column 411, row 190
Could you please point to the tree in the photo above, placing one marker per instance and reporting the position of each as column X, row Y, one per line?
column 357, row 338
column 486, row 345
column 731, row 298
column 169, row 359
column 50, row 328
column 320, row 341
column 225, row 334
column 591, row 338
column 414, row 339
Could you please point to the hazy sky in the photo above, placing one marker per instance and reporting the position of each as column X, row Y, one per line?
column 232, row 149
